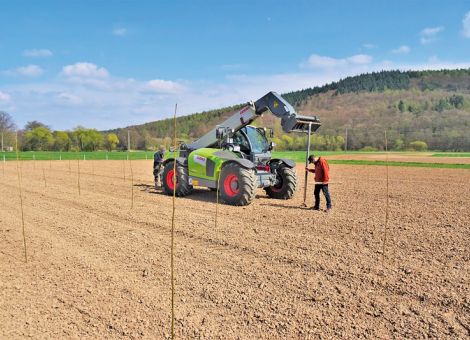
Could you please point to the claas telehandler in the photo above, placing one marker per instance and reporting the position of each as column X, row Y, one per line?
column 235, row 157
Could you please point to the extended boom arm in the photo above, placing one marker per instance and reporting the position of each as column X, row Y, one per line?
column 272, row 102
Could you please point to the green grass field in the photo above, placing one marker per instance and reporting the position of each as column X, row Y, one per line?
column 404, row 164
column 96, row 155
column 297, row 156
column 452, row 154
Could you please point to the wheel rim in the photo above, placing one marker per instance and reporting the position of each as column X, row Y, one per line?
column 231, row 185
column 169, row 179
column 278, row 187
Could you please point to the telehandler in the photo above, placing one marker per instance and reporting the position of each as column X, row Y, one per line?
column 236, row 156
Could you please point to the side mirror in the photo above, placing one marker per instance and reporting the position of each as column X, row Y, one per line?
column 271, row 132
column 271, row 146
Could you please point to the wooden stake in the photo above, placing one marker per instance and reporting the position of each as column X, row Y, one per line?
column 386, row 201
column 78, row 175
column 44, row 176
column 304, row 204
column 217, row 201
column 124, row 170
column 21, row 200
column 132, row 184
column 172, row 250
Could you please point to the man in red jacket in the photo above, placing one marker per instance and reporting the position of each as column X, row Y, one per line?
column 321, row 172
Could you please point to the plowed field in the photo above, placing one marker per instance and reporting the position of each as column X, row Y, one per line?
column 99, row 269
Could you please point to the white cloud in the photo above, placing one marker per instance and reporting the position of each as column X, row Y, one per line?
column 37, row 53
column 466, row 25
column 113, row 101
column 70, row 98
column 120, row 31
column 359, row 59
column 26, row 71
column 164, row 86
column 403, row 49
column 4, row 97
column 429, row 34
column 84, row 69
column 316, row 61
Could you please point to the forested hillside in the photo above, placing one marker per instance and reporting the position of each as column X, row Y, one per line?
column 419, row 109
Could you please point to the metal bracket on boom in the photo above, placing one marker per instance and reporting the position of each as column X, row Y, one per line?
column 290, row 120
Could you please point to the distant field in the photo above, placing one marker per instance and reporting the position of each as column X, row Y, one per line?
column 299, row 156
column 102, row 155
column 451, row 154
column 97, row 155
column 404, row 159
column 334, row 157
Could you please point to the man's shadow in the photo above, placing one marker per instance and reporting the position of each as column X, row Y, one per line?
column 277, row 205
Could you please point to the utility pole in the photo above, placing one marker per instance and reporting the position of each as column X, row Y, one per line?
column 128, row 140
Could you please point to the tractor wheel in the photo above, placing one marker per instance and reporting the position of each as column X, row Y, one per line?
column 237, row 185
column 182, row 180
column 287, row 184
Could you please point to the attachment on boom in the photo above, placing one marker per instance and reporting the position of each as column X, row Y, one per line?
column 290, row 120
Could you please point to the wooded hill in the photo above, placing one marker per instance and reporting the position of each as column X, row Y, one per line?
column 428, row 107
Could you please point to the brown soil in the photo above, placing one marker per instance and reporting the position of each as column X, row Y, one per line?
column 269, row 270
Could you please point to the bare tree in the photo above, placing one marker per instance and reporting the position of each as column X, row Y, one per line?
column 6, row 122
column 7, row 126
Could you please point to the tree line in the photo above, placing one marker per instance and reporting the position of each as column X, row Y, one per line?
column 37, row 136
column 440, row 121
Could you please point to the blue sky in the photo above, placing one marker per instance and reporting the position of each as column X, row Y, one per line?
column 107, row 64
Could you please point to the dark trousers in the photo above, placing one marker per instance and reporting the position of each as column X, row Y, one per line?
column 156, row 170
column 324, row 188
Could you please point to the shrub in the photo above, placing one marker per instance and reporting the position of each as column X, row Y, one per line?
column 418, row 145
column 368, row 149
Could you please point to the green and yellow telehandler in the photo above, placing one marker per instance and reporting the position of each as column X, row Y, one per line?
column 236, row 156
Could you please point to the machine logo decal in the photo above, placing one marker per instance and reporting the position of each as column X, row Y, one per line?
column 244, row 110
column 200, row 160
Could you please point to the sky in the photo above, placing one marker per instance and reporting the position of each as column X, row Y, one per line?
column 108, row 64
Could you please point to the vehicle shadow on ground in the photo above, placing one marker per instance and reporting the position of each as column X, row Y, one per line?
column 207, row 195
column 203, row 195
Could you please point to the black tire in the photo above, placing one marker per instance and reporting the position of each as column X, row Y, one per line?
column 237, row 185
column 182, row 180
column 287, row 185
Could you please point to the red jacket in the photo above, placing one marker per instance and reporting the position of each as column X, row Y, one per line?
column 321, row 171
